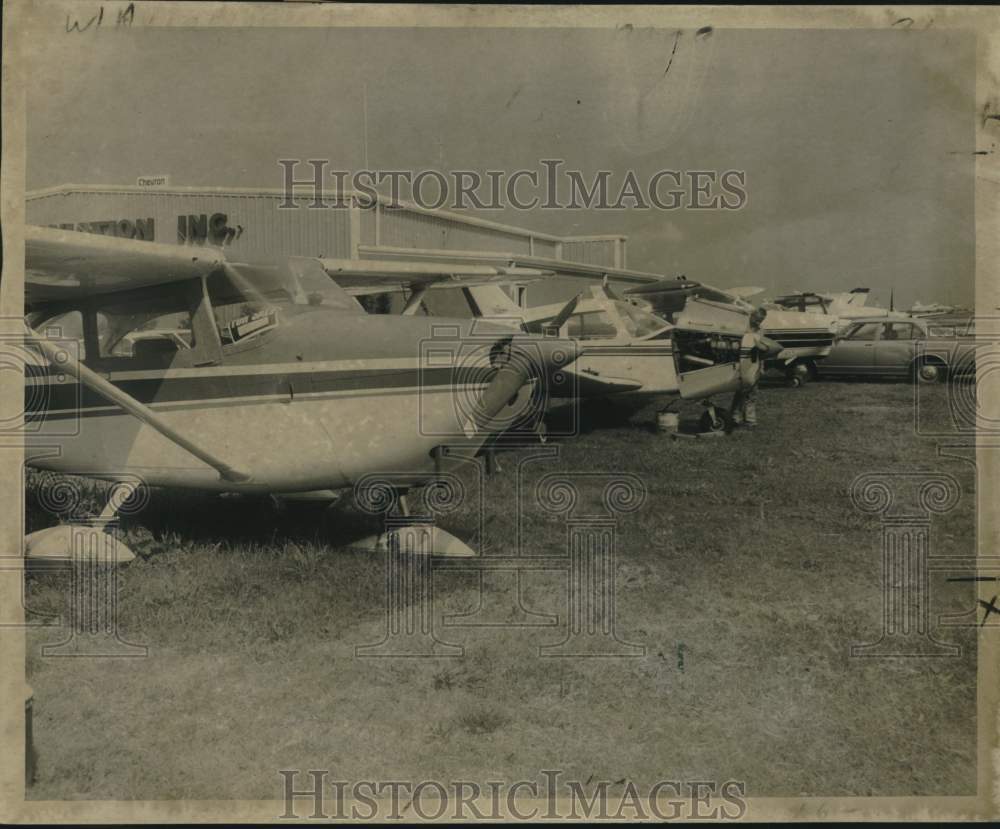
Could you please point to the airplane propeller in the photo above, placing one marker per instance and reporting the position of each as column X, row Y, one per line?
column 515, row 364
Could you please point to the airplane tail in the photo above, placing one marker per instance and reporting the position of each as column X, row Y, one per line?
column 848, row 301
column 858, row 297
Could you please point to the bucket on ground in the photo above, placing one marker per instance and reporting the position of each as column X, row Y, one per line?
column 668, row 421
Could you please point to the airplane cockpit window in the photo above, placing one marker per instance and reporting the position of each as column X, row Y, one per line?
column 152, row 327
column 863, row 331
column 591, row 325
column 809, row 303
column 639, row 323
column 67, row 326
column 295, row 281
column 245, row 306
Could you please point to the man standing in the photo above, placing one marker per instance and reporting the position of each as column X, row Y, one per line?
column 753, row 347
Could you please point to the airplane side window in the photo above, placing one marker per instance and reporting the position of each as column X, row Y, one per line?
column 538, row 326
column 591, row 325
column 135, row 332
column 638, row 323
column 66, row 326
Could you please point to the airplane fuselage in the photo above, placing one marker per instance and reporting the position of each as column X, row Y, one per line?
column 313, row 402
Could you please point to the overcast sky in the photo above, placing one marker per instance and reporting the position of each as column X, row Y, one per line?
column 857, row 146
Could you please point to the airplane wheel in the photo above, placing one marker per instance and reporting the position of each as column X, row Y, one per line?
column 711, row 424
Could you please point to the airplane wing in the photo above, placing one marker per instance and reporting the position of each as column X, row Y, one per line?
column 644, row 281
column 464, row 259
column 746, row 291
column 62, row 264
column 366, row 276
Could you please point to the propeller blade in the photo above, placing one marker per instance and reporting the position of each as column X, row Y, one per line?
column 511, row 374
column 564, row 314
column 516, row 364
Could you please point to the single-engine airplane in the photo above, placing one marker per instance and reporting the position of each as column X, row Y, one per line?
column 625, row 350
column 628, row 352
column 801, row 337
column 183, row 369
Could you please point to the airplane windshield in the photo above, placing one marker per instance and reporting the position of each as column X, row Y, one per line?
column 637, row 322
column 246, row 298
column 297, row 281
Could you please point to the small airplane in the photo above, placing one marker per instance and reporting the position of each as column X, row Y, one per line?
column 847, row 306
column 178, row 367
column 935, row 309
column 628, row 348
column 842, row 304
column 627, row 352
column 799, row 338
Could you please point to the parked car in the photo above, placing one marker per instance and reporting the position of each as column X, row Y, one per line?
column 916, row 349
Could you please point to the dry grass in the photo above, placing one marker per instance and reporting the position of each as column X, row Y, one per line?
column 746, row 576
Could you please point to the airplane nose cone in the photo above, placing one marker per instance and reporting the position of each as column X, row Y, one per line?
column 518, row 360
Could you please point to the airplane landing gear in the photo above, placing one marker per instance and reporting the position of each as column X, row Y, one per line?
column 712, row 419
column 407, row 534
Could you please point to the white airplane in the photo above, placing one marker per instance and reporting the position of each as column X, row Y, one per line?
column 626, row 347
column 803, row 337
column 629, row 352
column 176, row 367
column 934, row 309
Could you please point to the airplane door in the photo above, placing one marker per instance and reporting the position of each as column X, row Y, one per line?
column 710, row 317
column 705, row 382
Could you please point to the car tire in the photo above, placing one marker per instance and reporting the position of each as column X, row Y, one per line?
column 928, row 373
column 798, row 375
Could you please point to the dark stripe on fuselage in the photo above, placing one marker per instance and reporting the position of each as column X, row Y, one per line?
column 625, row 351
column 70, row 396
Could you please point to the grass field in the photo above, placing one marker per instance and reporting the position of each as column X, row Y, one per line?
column 746, row 576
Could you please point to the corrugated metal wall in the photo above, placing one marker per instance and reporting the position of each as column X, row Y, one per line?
column 409, row 229
column 258, row 227
column 251, row 224
column 591, row 252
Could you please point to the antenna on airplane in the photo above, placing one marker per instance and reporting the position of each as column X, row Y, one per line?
column 892, row 299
